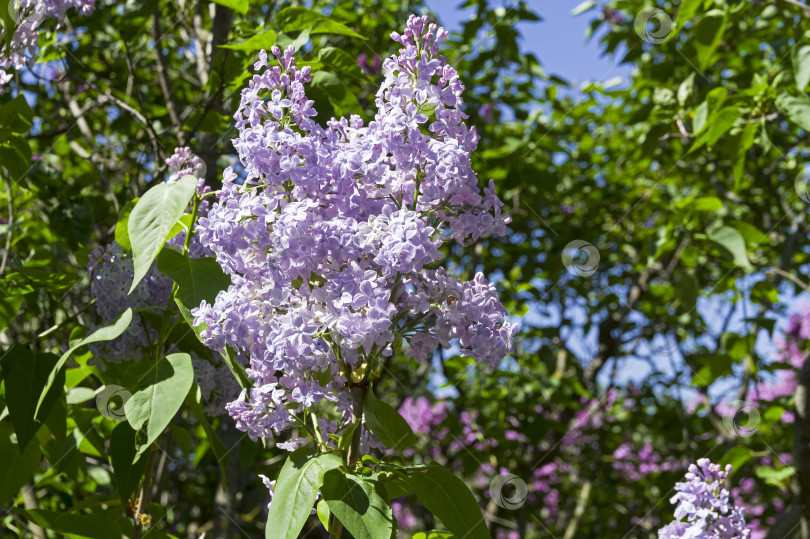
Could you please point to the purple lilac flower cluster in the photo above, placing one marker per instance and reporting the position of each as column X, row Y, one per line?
column 704, row 508
column 332, row 239
column 25, row 41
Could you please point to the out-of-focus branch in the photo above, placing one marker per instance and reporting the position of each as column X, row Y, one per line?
column 579, row 510
column 163, row 77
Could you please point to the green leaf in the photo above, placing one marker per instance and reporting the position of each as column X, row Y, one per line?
column 121, row 232
column 16, row 115
column 772, row 476
column 160, row 397
column 127, row 471
column 152, row 218
column 18, row 467
column 386, row 423
column 708, row 33
column 197, row 279
column 686, row 11
column 801, row 66
column 240, row 6
column 324, row 514
column 106, row 333
column 293, row 19
column 447, row 497
column 12, row 290
column 236, row 368
column 359, row 503
column 398, row 485
column 733, row 242
column 256, row 42
column 737, row 456
column 721, row 123
column 25, row 375
column 100, row 524
column 795, row 108
column 296, row 490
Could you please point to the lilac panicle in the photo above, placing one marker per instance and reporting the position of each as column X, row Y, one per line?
column 704, row 509
column 333, row 238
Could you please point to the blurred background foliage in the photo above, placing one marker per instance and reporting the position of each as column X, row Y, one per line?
column 688, row 180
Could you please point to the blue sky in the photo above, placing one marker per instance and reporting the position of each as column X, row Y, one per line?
column 558, row 41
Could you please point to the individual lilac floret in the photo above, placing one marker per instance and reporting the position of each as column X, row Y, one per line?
column 334, row 237
column 704, row 509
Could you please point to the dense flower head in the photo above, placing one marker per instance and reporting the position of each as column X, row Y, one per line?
column 333, row 238
column 704, row 508
column 25, row 41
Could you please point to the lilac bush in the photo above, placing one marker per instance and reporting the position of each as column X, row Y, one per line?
column 333, row 238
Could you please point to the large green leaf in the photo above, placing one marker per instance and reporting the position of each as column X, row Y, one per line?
column 293, row 19
column 686, row 11
column 162, row 392
column 733, row 242
column 25, row 375
column 122, row 452
column 105, row 333
column 100, row 524
column 263, row 40
column 386, row 423
column 18, row 467
column 359, row 503
column 296, row 490
column 447, row 497
column 240, row 6
column 197, row 279
column 708, row 33
column 795, row 108
column 801, row 66
column 153, row 218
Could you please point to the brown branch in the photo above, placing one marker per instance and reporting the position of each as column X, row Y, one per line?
column 163, row 78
